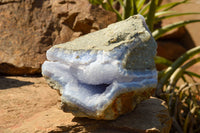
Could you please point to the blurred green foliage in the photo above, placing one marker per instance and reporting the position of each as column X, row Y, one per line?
column 183, row 100
column 152, row 10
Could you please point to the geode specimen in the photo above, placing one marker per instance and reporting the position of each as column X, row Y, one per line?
column 106, row 73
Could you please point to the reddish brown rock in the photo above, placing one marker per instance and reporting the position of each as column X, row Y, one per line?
column 180, row 36
column 170, row 50
column 28, row 28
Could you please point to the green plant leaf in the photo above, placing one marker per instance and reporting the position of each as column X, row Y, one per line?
column 156, row 20
column 162, row 60
column 151, row 14
column 190, row 63
column 129, row 8
column 160, row 74
column 139, row 4
column 159, row 32
column 162, row 13
column 171, row 5
column 135, row 10
column 187, row 120
column 179, row 72
column 169, row 71
column 109, row 5
column 174, row 15
column 183, row 78
column 106, row 6
column 144, row 9
column 192, row 74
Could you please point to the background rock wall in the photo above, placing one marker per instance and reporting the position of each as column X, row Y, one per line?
column 29, row 27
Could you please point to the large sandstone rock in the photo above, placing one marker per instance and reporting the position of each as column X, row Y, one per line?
column 29, row 27
column 105, row 73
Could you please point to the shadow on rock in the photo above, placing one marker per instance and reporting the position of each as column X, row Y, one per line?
column 149, row 116
column 91, row 126
column 7, row 83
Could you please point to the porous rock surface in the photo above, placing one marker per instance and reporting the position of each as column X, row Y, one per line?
column 29, row 27
column 106, row 73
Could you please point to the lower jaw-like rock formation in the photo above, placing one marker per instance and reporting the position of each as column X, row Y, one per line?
column 106, row 73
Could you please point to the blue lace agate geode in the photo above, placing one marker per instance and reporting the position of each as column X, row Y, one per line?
column 106, row 73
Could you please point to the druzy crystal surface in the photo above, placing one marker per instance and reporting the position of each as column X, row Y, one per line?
column 106, row 73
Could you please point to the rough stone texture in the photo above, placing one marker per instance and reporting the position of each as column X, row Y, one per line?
column 28, row 105
column 29, row 27
column 106, row 73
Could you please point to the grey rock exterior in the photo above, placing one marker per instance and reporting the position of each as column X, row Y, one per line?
column 106, row 73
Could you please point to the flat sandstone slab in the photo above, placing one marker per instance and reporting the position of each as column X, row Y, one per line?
column 32, row 114
column 149, row 116
column 104, row 74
